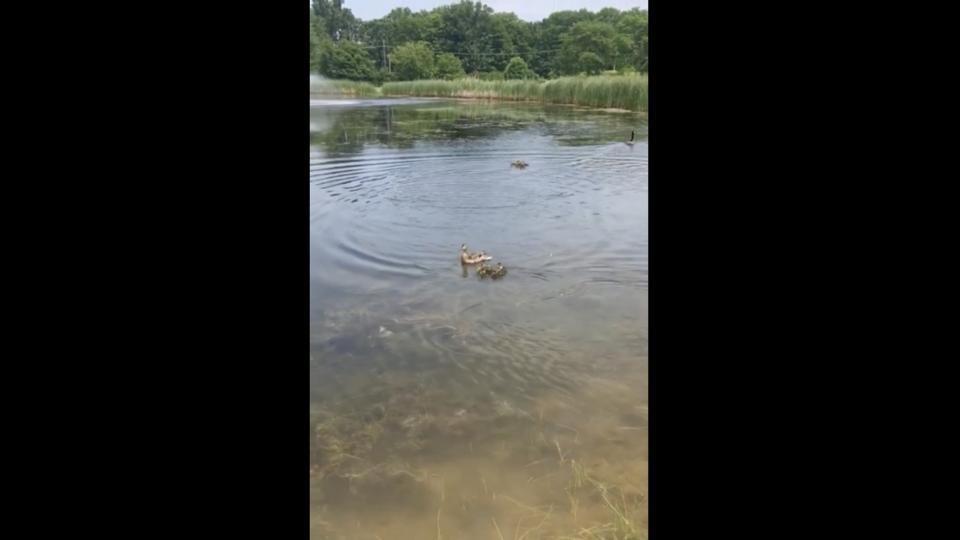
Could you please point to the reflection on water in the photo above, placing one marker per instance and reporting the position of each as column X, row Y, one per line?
column 447, row 406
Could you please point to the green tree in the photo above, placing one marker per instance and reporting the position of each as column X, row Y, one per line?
column 412, row 61
column 449, row 67
column 399, row 26
column 346, row 60
column 598, row 38
column 314, row 50
column 633, row 24
column 339, row 22
column 468, row 30
column 550, row 33
column 512, row 37
column 590, row 62
column 318, row 40
column 402, row 26
column 481, row 40
column 516, row 69
column 622, row 51
column 608, row 15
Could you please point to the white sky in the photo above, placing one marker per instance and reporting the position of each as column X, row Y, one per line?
column 528, row 10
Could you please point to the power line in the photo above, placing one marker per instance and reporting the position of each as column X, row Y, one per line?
column 455, row 53
column 384, row 48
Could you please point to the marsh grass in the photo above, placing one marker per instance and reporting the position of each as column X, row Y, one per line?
column 602, row 91
column 627, row 92
column 336, row 87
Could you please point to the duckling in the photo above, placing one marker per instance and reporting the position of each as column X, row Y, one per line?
column 519, row 164
column 498, row 272
column 483, row 271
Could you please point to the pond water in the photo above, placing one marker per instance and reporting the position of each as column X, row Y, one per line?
column 448, row 406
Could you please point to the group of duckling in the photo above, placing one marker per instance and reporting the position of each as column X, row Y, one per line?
column 494, row 272
column 480, row 258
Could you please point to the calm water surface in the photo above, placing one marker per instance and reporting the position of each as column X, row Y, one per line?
column 445, row 406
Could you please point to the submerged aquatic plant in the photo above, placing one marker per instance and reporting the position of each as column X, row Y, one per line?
column 369, row 456
column 625, row 516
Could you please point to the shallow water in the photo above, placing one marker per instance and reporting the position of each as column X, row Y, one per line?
column 445, row 406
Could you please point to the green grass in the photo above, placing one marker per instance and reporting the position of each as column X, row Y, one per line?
column 343, row 88
column 601, row 91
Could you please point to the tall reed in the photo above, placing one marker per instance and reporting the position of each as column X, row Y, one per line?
column 339, row 87
column 602, row 91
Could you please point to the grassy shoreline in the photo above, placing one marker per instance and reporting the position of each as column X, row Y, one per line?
column 626, row 92
column 335, row 87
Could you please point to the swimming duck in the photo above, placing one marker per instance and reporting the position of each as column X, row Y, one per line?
column 468, row 254
column 630, row 142
column 498, row 272
column 483, row 271
column 519, row 164
column 472, row 258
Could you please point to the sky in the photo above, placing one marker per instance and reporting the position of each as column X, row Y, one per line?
column 528, row 10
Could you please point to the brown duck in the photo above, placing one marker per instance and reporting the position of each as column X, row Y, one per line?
column 472, row 258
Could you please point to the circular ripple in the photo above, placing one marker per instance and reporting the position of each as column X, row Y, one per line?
column 387, row 219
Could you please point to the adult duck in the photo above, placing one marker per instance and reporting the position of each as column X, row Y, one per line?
column 472, row 258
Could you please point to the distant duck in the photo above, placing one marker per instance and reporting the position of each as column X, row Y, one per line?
column 519, row 164
column 632, row 135
column 472, row 258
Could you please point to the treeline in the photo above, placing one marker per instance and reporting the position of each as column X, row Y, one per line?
column 467, row 38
